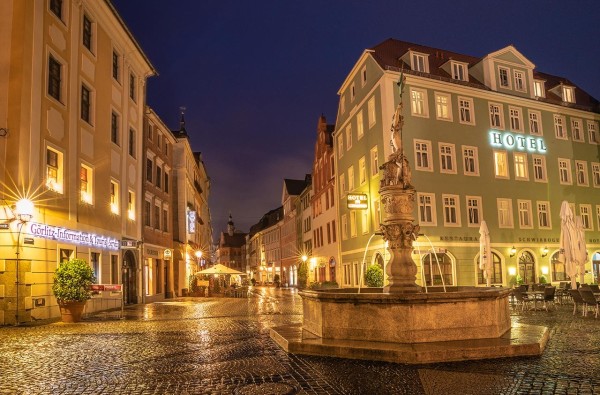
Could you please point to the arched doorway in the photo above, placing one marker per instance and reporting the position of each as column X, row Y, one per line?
column 129, row 278
column 433, row 274
column 596, row 266
column 527, row 267
column 496, row 276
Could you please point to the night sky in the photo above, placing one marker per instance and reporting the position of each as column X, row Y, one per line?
column 255, row 76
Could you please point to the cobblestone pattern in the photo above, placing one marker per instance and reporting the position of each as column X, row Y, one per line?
column 222, row 346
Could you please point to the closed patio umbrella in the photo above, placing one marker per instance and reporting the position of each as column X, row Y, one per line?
column 582, row 256
column 568, row 242
column 485, row 253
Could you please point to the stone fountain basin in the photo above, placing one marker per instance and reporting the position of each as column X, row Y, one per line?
column 461, row 313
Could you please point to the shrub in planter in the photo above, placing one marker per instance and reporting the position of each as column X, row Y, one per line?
column 72, row 281
column 374, row 276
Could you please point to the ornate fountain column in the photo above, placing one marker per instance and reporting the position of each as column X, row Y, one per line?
column 398, row 200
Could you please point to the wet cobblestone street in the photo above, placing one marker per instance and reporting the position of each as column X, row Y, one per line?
column 222, row 346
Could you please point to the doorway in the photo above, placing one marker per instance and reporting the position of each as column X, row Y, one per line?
column 527, row 267
column 129, row 278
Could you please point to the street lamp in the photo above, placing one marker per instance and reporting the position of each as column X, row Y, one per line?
column 24, row 213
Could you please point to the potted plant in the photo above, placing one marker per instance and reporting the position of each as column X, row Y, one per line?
column 374, row 276
column 72, row 281
column 276, row 280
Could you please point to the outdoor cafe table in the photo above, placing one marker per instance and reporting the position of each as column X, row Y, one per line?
column 535, row 296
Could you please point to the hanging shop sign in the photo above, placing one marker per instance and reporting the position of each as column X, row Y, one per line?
column 72, row 236
column 358, row 201
column 517, row 142
column 167, row 254
column 191, row 221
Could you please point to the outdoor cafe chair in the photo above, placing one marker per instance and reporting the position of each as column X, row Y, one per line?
column 589, row 300
column 595, row 288
column 577, row 299
column 521, row 298
column 549, row 293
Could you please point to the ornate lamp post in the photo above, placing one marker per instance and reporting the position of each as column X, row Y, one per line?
column 24, row 213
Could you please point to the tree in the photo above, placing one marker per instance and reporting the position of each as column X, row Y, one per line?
column 302, row 275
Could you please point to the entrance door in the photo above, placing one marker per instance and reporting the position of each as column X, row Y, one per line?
column 168, row 293
column 129, row 278
column 596, row 267
column 527, row 267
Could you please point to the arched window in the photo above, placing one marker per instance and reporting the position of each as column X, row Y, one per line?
column 527, row 267
column 433, row 274
column 496, row 271
column 558, row 268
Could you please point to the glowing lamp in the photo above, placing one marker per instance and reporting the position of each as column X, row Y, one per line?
column 512, row 270
column 24, row 210
column 513, row 251
column 544, row 251
column 544, row 270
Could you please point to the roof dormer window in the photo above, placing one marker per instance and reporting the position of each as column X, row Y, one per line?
column 538, row 88
column 418, row 62
column 459, row 71
column 568, row 94
column 503, row 77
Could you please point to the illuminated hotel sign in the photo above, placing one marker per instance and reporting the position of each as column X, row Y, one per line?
column 517, row 142
column 73, row 236
column 191, row 218
column 358, row 201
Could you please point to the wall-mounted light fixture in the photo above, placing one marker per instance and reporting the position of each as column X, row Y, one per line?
column 544, row 251
column 513, row 251
column 545, row 270
column 512, row 271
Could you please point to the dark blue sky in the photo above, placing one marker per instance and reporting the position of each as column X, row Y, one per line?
column 255, row 75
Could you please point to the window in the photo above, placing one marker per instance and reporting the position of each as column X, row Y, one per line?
column 474, row 211
column 596, row 174
column 365, row 221
column 351, row 178
column 147, row 213
column 503, row 77
column 131, row 146
column 54, row 78
column 433, row 264
column 374, row 162
column 166, row 181
column 352, row 92
column 131, row 205
column 85, row 184
column 87, row 32
column 496, row 277
column 158, row 176
column 362, row 168
column 443, row 110
column 521, row 171
column 598, row 216
column 535, row 124
column 333, row 231
column 116, row 61
column 166, row 220
column 459, row 71
column 360, row 127
column 539, row 168
column 149, row 168
column 447, row 158
column 114, row 128
column 343, row 189
column 56, row 6
column 519, row 81
column 348, row 137
column 543, row 210
column 538, row 88
column 525, row 216
column 465, row 107
column 95, row 263
column 54, row 170
column 86, row 104
column 576, row 131
column 582, row 173
column 363, row 76
column 496, row 117
column 419, row 63
column 114, row 269
column 470, row 161
column 132, row 87
column 501, row 164
column 451, row 210
column 592, row 132
column 564, row 170
column 559, row 128
column 418, row 102
column 427, row 209
column 156, row 217
column 344, row 227
column 371, row 111
column 114, row 197
column 516, row 123
column 422, row 155
column 585, row 211
column 505, row 216
column 340, row 140
column 568, row 94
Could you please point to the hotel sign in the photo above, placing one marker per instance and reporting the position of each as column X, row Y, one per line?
column 519, row 142
column 73, row 236
column 191, row 221
column 358, row 201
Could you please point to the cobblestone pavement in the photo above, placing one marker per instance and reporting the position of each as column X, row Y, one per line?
column 222, row 346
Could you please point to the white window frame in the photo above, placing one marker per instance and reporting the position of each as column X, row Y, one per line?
column 521, row 168
column 343, row 104
column 362, row 171
column 86, row 192
column 477, row 207
column 419, row 62
column 475, row 160
column 374, row 161
column 519, row 79
column 508, row 81
column 340, row 140
column 568, row 94
column 351, row 178
column 360, row 125
column 585, row 212
column 56, row 183
column 539, row 88
column 516, row 119
column 564, row 171
column 443, row 106
column 131, row 214
column 348, row 132
column 420, row 154
column 344, row 225
column 371, row 112
column 352, row 92
column 447, row 152
column 459, row 70
column 498, row 167
column 496, row 115
column 353, row 230
column 596, row 174
column 577, row 130
column 343, row 189
column 541, row 165
column 592, row 129
column 543, row 208
column 466, row 105
column 525, row 214
column 363, row 75
column 364, row 222
column 535, row 117
column 505, row 213
column 114, row 197
column 582, row 170
column 426, row 200
column 419, row 106
column 560, row 129
column 451, row 204
column 598, row 216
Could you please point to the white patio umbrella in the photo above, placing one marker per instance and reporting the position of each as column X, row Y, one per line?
column 219, row 269
column 568, row 242
column 485, row 252
column 582, row 256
